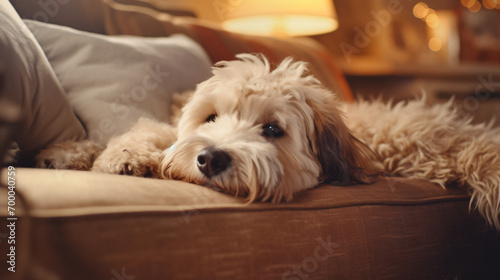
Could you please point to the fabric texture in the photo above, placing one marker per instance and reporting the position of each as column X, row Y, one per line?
column 111, row 81
column 92, row 189
column 222, row 45
column 88, row 224
column 32, row 86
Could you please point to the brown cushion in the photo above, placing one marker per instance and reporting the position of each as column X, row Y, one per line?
column 222, row 45
column 95, row 226
column 66, row 192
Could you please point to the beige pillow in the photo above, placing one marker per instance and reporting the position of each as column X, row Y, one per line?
column 111, row 81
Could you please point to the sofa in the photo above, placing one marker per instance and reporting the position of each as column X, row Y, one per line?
column 84, row 225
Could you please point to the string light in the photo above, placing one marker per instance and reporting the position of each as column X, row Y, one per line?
column 423, row 12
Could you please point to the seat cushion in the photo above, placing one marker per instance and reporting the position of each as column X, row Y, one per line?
column 88, row 225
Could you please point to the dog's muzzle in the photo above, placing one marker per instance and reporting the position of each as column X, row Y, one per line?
column 212, row 161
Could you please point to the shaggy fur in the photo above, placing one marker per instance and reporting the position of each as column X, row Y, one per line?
column 281, row 132
column 411, row 139
column 69, row 155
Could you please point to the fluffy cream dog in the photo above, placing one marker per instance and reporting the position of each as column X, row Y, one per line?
column 267, row 134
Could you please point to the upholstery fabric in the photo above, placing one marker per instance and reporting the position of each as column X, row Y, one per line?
column 223, row 45
column 85, row 225
column 111, row 81
column 32, row 86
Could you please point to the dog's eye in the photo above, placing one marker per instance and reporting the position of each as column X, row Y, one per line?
column 272, row 130
column 211, row 118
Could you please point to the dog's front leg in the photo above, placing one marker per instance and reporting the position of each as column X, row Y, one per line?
column 138, row 151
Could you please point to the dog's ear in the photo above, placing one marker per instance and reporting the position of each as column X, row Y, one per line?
column 344, row 159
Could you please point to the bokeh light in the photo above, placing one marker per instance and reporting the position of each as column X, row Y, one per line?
column 490, row 4
column 435, row 44
column 420, row 10
column 432, row 19
column 476, row 7
column 468, row 3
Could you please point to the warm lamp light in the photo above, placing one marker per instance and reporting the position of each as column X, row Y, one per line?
column 282, row 17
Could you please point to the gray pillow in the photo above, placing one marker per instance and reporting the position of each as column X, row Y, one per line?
column 111, row 81
column 31, row 85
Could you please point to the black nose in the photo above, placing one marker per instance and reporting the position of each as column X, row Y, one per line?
column 212, row 161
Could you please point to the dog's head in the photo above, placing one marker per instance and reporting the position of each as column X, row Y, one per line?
column 264, row 134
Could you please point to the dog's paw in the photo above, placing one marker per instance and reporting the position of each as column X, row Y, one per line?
column 69, row 155
column 128, row 162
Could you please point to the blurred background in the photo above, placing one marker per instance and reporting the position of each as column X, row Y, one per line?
column 393, row 49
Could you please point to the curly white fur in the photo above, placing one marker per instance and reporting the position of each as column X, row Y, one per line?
column 411, row 139
column 230, row 111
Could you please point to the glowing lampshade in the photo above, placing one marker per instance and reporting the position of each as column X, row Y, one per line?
column 282, row 17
